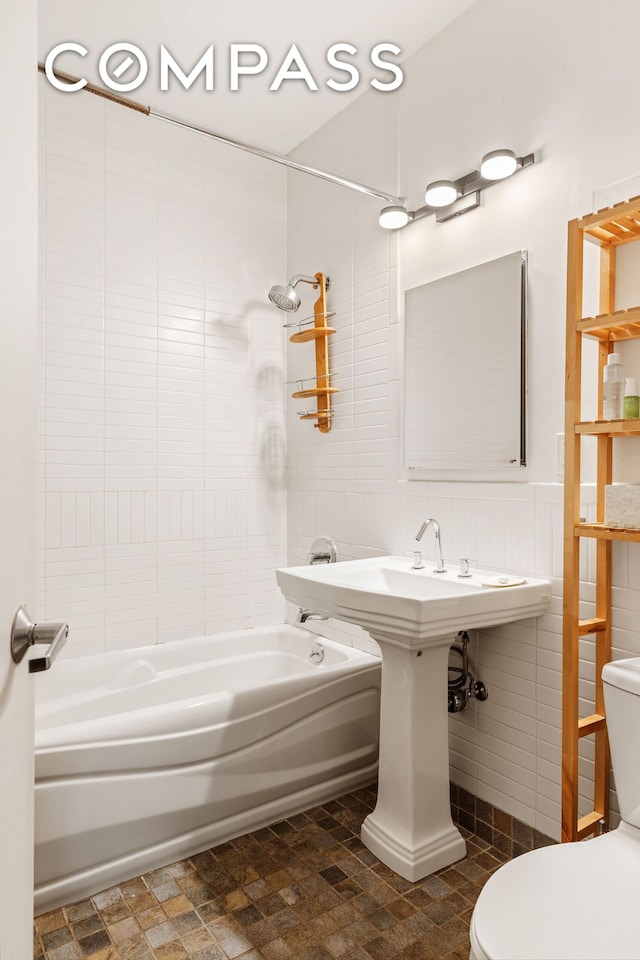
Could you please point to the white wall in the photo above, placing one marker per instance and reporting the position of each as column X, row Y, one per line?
column 530, row 77
column 162, row 446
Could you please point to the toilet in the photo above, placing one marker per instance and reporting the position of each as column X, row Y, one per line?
column 576, row 901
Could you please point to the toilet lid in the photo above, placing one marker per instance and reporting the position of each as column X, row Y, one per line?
column 575, row 901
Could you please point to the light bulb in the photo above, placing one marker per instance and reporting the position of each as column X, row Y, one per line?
column 393, row 217
column 498, row 164
column 441, row 193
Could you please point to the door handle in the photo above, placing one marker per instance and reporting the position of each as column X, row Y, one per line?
column 24, row 634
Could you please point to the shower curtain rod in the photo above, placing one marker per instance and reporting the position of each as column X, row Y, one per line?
column 238, row 144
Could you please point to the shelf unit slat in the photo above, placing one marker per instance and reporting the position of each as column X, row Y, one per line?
column 313, row 333
column 595, row 625
column 588, row 824
column 613, row 225
column 608, row 428
column 598, row 531
column 315, row 392
column 589, row 725
column 620, row 325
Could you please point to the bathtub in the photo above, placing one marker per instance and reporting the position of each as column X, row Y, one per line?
column 147, row 756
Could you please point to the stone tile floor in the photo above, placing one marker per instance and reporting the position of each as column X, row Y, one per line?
column 304, row 888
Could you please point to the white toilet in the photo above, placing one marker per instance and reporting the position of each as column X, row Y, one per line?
column 576, row 901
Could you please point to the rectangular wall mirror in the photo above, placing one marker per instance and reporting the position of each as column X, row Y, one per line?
column 465, row 370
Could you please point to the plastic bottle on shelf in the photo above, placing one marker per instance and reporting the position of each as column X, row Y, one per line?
column 613, row 388
column 631, row 403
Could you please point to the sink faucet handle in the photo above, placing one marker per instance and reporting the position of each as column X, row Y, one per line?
column 423, row 527
column 464, row 567
column 417, row 560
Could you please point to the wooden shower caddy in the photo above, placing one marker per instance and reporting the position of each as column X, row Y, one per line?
column 319, row 333
column 609, row 228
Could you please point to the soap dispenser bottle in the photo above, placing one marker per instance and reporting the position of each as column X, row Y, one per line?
column 613, row 388
column 631, row 403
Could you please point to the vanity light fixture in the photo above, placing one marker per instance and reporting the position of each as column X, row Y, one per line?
column 451, row 198
column 441, row 193
column 498, row 164
column 393, row 217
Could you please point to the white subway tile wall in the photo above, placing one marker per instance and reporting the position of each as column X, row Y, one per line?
column 162, row 505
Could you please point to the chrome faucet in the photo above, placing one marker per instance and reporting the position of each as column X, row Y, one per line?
column 304, row 615
column 436, row 529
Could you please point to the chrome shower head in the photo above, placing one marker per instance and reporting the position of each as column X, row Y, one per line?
column 286, row 298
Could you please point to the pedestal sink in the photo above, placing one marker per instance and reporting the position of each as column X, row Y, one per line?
column 415, row 616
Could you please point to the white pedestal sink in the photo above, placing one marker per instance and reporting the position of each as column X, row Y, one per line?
column 415, row 616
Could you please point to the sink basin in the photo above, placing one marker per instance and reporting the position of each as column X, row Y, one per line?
column 415, row 616
column 385, row 595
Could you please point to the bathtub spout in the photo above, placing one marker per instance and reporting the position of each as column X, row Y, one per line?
column 304, row 615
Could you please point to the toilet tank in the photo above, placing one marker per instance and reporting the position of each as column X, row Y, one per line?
column 621, row 680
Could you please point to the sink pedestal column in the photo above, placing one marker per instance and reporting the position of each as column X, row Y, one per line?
column 411, row 829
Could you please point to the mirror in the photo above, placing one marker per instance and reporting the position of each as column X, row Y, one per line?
column 465, row 370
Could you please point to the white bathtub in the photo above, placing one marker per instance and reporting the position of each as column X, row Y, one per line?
column 150, row 755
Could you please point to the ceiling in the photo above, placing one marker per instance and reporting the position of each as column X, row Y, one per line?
column 275, row 120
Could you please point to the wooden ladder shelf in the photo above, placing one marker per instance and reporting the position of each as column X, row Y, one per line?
column 609, row 228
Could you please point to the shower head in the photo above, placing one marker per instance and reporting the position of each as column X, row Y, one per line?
column 286, row 298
